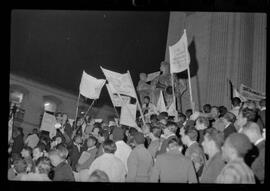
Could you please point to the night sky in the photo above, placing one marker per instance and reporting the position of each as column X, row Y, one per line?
column 54, row 47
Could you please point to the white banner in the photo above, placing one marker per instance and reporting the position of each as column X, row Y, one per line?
column 128, row 115
column 115, row 98
column 90, row 87
column 250, row 93
column 120, row 82
column 152, row 76
column 48, row 124
column 179, row 55
column 161, row 107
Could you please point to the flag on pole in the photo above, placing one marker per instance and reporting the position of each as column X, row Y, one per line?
column 128, row 115
column 115, row 98
column 90, row 87
column 251, row 94
column 120, row 82
column 179, row 55
column 10, row 127
column 161, row 103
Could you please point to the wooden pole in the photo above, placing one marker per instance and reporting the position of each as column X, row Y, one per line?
column 89, row 108
column 174, row 98
column 140, row 109
column 77, row 105
column 190, row 92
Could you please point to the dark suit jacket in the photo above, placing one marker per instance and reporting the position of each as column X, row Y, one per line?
column 165, row 144
column 63, row 172
column 172, row 166
column 258, row 166
column 74, row 156
column 229, row 130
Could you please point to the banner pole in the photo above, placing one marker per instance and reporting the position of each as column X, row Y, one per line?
column 89, row 108
column 140, row 109
column 190, row 92
column 77, row 105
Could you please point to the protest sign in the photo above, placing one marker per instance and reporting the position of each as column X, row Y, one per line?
column 250, row 93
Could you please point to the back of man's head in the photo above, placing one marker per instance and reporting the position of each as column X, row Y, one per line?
column 62, row 151
column 240, row 143
column 230, row 117
column 250, row 114
column 188, row 113
column 174, row 143
column 109, row 146
column 222, row 111
column 207, row 108
column 216, row 136
column 172, row 126
column 252, row 131
column 203, row 120
column 236, row 101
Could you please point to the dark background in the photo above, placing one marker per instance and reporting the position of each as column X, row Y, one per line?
column 55, row 46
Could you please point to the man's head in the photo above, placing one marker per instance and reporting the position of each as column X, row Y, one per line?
column 171, row 128
column 252, row 131
column 26, row 152
column 173, row 144
column 155, row 132
column 143, row 77
column 154, row 118
column 236, row 102
column 181, row 117
column 229, row 118
column 58, row 155
column 91, row 141
column 207, row 108
column 118, row 134
column 190, row 135
column 222, row 111
column 146, row 99
column 43, row 165
column 59, row 117
column 244, row 116
column 215, row 112
column 250, row 104
column 236, row 146
column 188, row 113
column 78, row 139
column 98, row 176
column 35, row 131
column 109, row 146
column 202, row 123
column 262, row 103
column 213, row 141
column 139, row 138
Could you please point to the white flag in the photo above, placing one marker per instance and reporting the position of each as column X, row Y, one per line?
column 115, row 98
column 120, row 82
column 179, row 55
column 251, row 94
column 172, row 110
column 161, row 107
column 90, row 87
column 48, row 124
column 128, row 115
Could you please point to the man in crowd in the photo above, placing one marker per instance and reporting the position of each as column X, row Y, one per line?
column 75, row 151
column 155, row 141
column 169, row 133
column 32, row 139
column 172, row 166
column 229, row 119
column 236, row 171
column 245, row 115
column 122, row 149
column 194, row 151
column 109, row 163
column 139, row 161
column 253, row 132
column 236, row 104
column 202, row 123
column 213, row 140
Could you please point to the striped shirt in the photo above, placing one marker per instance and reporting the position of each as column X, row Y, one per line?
column 236, row 172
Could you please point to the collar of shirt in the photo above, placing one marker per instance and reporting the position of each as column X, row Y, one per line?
column 191, row 143
column 258, row 141
column 91, row 148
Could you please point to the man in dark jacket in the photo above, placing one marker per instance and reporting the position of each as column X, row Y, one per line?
column 173, row 166
column 75, row 152
column 18, row 143
column 228, row 119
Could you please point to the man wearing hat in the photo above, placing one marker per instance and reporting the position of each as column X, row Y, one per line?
column 139, row 161
column 236, row 171
column 122, row 149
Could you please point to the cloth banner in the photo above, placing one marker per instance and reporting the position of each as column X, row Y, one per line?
column 152, row 76
column 250, row 93
column 161, row 107
column 172, row 111
column 120, row 82
column 179, row 55
column 48, row 124
column 115, row 98
column 128, row 115
column 90, row 87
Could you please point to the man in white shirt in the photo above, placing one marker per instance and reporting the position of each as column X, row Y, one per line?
column 110, row 164
column 123, row 150
column 32, row 140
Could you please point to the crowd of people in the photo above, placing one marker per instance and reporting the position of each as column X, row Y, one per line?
column 215, row 145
